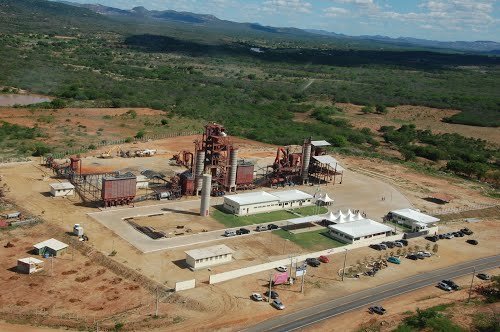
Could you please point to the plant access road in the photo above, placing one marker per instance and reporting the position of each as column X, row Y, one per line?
column 318, row 313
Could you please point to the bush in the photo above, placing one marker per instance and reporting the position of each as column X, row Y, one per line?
column 40, row 149
column 129, row 140
column 140, row 134
column 367, row 109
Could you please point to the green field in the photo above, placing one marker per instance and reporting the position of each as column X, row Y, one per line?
column 230, row 220
column 314, row 240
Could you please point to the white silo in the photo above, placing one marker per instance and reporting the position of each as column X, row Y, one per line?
column 205, row 195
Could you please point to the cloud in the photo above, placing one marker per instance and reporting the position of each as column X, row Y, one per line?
column 294, row 6
column 334, row 11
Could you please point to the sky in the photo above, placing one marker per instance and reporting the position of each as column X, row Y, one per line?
column 429, row 19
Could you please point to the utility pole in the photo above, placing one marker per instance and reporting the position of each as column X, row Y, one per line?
column 270, row 285
column 157, row 301
column 471, row 282
column 302, row 281
column 51, row 266
column 343, row 270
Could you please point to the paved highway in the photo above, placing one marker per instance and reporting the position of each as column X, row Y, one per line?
column 315, row 314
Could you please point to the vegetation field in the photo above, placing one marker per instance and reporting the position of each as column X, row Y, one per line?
column 314, row 240
column 230, row 220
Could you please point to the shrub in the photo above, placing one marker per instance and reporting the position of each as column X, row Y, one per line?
column 140, row 134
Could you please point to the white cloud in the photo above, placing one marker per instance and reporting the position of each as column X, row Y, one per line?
column 294, row 6
column 334, row 11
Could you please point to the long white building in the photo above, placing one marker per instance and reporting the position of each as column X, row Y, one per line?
column 362, row 230
column 415, row 219
column 261, row 201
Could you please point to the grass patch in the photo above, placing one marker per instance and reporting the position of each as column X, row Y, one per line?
column 316, row 240
column 230, row 220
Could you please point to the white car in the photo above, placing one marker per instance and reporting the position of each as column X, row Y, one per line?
column 398, row 244
column 424, row 253
column 444, row 286
column 278, row 304
column 282, row 268
column 257, row 297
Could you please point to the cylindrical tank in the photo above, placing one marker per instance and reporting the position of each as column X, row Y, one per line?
column 306, row 159
column 233, row 162
column 78, row 230
column 205, row 195
column 200, row 165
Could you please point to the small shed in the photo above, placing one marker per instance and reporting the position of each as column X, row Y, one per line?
column 61, row 189
column 142, row 182
column 29, row 265
column 209, row 256
column 51, row 247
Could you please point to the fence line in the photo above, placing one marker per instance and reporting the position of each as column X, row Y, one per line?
column 463, row 209
column 61, row 155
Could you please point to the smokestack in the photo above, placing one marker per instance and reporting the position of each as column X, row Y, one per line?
column 233, row 161
column 205, row 195
column 306, row 159
column 200, row 165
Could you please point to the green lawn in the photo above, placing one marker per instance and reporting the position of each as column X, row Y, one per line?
column 403, row 228
column 230, row 220
column 315, row 240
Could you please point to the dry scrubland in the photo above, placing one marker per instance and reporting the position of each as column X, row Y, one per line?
column 224, row 306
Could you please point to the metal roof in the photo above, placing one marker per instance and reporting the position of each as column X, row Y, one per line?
column 291, row 195
column 52, row 244
column 62, row 186
column 330, row 161
column 415, row 215
column 209, row 252
column 252, row 198
column 30, row 260
column 360, row 228
column 320, row 143
column 305, row 220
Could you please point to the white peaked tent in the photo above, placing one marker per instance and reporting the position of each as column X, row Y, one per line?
column 324, row 199
column 340, row 217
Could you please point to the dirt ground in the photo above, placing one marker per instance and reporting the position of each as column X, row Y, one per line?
column 224, row 306
column 423, row 118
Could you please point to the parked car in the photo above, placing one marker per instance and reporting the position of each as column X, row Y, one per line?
column 458, row 234
column 256, row 297
column 450, row 283
column 466, row 231
column 376, row 246
column 377, row 309
column 282, row 268
column 398, row 244
column 444, row 286
column 441, row 236
column 483, row 276
column 324, row 259
column 412, row 257
column 274, row 295
column 261, row 228
column 278, row 304
column 473, row 242
column 404, row 242
column 272, row 226
column 433, row 238
column 420, row 255
column 425, row 253
column 229, row 232
column 244, row 231
column 394, row 260
column 389, row 244
column 313, row 262
column 448, row 236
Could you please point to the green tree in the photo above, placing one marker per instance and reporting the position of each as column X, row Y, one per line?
column 381, row 109
column 367, row 109
column 140, row 134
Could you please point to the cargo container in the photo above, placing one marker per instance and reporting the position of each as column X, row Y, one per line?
column 244, row 173
column 118, row 190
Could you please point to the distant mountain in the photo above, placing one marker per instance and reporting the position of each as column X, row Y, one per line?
column 474, row 46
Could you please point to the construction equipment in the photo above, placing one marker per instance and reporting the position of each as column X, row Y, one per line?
column 109, row 154
column 145, row 153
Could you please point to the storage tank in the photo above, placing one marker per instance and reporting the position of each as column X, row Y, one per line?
column 118, row 190
column 200, row 165
column 233, row 162
column 78, row 230
column 187, row 183
column 306, row 159
column 205, row 195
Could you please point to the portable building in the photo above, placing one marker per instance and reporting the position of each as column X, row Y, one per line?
column 209, row 256
column 415, row 219
column 51, row 247
column 29, row 265
column 359, row 231
column 61, row 189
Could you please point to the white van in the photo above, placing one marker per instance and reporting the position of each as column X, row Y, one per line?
column 229, row 232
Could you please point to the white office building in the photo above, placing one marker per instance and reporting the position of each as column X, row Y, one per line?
column 209, row 256
column 415, row 219
column 261, row 201
column 363, row 230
